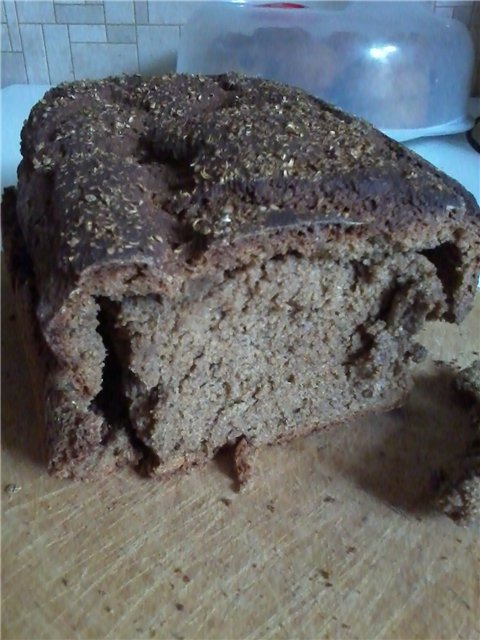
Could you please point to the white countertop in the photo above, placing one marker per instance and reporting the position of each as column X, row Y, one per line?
column 451, row 154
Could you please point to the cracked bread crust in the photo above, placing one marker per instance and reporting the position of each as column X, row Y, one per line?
column 166, row 173
column 133, row 189
column 57, row 415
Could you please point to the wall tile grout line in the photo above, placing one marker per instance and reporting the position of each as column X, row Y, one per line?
column 13, row 36
column 46, row 56
column 71, row 58
column 23, row 54
column 137, row 56
column 136, row 46
column 36, row 57
column 9, row 41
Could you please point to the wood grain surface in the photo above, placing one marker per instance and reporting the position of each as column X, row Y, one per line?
column 336, row 537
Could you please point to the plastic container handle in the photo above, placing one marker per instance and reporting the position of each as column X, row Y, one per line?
column 282, row 5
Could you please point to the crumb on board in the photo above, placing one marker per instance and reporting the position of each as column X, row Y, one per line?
column 184, row 576
column 458, row 487
column 12, row 487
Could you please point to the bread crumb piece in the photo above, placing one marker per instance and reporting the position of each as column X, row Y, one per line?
column 243, row 456
column 12, row 488
column 459, row 488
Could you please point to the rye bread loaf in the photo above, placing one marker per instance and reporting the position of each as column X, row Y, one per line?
column 211, row 261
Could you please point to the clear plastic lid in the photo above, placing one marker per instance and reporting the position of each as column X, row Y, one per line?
column 396, row 64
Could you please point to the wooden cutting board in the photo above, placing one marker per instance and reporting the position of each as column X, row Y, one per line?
column 335, row 538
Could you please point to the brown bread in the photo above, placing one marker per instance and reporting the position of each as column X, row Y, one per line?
column 205, row 261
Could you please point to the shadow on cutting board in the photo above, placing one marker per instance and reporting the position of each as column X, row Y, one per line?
column 418, row 449
column 22, row 430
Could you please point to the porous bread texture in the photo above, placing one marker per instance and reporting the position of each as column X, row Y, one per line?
column 219, row 261
column 268, row 351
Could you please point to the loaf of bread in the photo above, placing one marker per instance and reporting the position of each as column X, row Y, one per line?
column 204, row 262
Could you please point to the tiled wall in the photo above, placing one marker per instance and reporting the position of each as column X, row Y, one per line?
column 48, row 41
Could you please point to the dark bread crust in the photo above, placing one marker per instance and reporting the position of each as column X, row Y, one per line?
column 121, row 449
column 132, row 188
column 164, row 173
column 45, row 376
